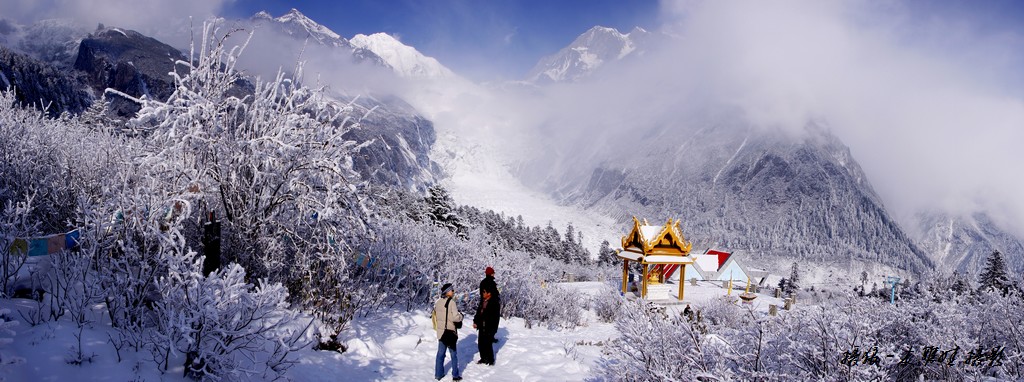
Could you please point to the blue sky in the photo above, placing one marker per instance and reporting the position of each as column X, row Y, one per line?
column 482, row 40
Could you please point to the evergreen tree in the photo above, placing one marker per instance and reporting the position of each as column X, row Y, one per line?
column 863, row 283
column 605, row 254
column 959, row 284
column 552, row 243
column 569, row 246
column 442, row 211
column 994, row 277
column 794, row 279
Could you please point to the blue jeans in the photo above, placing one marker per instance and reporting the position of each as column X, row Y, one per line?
column 439, row 363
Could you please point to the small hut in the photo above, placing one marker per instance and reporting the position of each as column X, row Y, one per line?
column 661, row 251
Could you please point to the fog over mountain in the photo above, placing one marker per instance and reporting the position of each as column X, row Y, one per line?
column 920, row 121
column 660, row 134
column 756, row 101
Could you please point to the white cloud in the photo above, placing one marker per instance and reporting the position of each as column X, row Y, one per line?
column 922, row 101
column 919, row 102
column 145, row 16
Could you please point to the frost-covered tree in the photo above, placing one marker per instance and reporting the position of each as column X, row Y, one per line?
column 994, row 277
column 443, row 212
column 605, row 254
column 793, row 283
column 266, row 155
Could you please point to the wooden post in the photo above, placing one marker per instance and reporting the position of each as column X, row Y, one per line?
column 625, row 276
column 643, row 283
column 773, row 309
column 682, row 283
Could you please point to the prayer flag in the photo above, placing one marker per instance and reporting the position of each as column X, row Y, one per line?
column 71, row 239
column 55, row 243
column 19, row 247
column 37, row 247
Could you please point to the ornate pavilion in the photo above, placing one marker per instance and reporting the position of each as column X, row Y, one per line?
column 660, row 250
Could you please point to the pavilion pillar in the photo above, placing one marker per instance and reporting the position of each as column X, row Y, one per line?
column 625, row 276
column 682, row 284
column 643, row 291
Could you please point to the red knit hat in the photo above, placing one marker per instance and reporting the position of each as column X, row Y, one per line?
column 489, row 271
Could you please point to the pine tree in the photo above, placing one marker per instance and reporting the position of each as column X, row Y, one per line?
column 959, row 284
column 863, row 283
column 605, row 254
column 793, row 284
column 994, row 277
column 442, row 211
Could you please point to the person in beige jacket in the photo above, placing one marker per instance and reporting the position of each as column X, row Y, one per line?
column 447, row 321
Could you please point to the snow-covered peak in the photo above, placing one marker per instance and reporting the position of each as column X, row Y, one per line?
column 298, row 25
column 405, row 60
column 589, row 51
column 314, row 28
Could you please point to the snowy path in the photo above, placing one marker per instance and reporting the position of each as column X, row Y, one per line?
column 394, row 346
column 401, row 347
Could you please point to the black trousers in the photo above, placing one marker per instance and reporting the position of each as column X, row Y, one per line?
column 485, row 341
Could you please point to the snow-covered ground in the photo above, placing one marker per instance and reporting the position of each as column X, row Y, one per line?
column 395, row 346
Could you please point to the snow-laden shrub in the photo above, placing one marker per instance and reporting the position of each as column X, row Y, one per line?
column 54, row 160
column 542, row 302
column 223, row 325
column 845, row 339
column 608, row 305
column 14, row 223
column 653, row 347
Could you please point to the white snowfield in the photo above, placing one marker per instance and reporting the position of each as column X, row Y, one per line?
column 395, row 346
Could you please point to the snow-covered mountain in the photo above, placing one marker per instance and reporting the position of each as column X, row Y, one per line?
column 301, row 27
column 962, row 243
column 587, row 53
column 395, row 138
column 296, row 24
column 39, row 83
column 130, row 62
column 405, row 60
column 774, row 197
column 378, row 48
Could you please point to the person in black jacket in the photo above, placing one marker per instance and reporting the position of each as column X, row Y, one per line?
column 488, row 282
column 488, row 313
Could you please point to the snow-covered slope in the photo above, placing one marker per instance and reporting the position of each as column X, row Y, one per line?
column 405, row 60
column 587, row 53
column 380, row 48
column 296, row 24
column 480, row 174
column 963, row 243
column 301, row 27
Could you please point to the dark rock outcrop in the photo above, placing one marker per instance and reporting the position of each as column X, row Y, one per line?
column 42, row 85
column 129, row 62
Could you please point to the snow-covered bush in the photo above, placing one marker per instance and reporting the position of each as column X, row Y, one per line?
column 52, row 159
column 14, row 223
column 653, row 347
column 608, row 305
column 221, row 323
column 844, row 339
